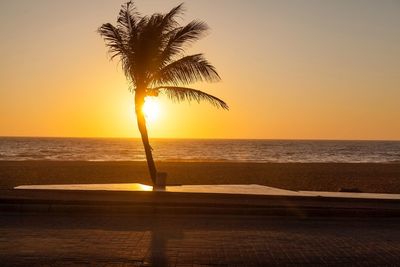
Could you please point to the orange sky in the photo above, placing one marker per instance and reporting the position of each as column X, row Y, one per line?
column 290, row 70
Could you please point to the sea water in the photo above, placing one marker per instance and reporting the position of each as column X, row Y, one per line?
column 129, row 149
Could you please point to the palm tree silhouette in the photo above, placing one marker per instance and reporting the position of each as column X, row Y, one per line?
column 151, row 52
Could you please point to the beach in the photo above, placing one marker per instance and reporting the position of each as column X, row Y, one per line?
column 366, row 177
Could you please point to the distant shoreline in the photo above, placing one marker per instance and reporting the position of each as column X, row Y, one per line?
column 366, row 177
column 206, row 138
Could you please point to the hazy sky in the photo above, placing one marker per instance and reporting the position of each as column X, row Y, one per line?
column 290, row 69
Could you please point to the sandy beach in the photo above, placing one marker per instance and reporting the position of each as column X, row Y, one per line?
column 367, row 177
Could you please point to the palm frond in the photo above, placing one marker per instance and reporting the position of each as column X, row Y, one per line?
column 117, row 47
column 180, row 94
column 152, row 36
column 169, row 21
column 181, row 37
column 153, row 28
column 128, row 18
column 189, row 69
column 113, row 39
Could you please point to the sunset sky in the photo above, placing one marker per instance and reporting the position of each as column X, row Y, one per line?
column 290, row 70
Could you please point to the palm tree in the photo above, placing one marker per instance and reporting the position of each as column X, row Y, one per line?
column 151, row 52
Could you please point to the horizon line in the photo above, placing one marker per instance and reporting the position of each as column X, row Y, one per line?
column 199, row 138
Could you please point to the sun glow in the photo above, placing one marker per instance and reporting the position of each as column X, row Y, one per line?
column 151, row 109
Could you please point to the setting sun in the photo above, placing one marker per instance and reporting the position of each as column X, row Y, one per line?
column 151, row 108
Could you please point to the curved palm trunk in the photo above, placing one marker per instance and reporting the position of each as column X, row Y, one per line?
column 139, row 102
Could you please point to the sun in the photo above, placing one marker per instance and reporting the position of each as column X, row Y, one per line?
column 151, row 108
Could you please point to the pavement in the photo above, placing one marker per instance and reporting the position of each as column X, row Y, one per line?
column 196, row 240
column 73, row 227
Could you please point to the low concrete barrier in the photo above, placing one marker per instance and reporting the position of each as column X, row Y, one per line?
column 67, row 201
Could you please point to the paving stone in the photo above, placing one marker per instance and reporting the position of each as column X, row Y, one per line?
column 124, row 240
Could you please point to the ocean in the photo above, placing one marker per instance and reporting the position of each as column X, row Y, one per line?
column 129, row 149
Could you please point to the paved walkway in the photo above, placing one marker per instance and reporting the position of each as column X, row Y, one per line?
column 54, row 240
